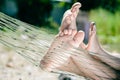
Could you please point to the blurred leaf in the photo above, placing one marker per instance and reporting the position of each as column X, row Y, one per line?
column 108, row 25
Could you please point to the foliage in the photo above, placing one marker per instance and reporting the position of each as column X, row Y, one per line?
column 34, row 11
column 108, row 25
column 111, row 5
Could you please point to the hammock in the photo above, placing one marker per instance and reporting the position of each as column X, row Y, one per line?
column 25, row 39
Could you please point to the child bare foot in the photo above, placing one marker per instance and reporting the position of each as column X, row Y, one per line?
column 56, row 57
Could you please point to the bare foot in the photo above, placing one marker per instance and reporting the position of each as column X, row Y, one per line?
column 98, row 52
column 93, row 43
column 58, row 55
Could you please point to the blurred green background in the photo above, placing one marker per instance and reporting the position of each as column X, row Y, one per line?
column 47, row 15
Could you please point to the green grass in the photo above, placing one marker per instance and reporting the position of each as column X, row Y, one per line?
column 108, row 25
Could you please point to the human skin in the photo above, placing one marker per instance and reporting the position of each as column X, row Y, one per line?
column 98, row 52
column 63, row 56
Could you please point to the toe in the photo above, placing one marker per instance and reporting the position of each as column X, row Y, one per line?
column 68, row 20
column 83, row 45
column 74, row 31
column 75, row 6
column 69, row 31
column 65, row 23
column 92, row 30
column 65, row 31
column 69, row 17
column 75, row 9
column 78, row 38
column 61, row 34
column 93, row 43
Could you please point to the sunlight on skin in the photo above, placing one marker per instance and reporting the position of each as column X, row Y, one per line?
column 68, row 39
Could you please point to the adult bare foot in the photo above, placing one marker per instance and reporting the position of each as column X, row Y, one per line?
column 58, row 55
column 98, row 52
column 93, row 43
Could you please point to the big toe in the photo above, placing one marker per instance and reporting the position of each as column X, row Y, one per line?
column 92, row 30
column 66, row 21
column 78, row 39
column 93, row 43
column 75, row 8
column 92, row 33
